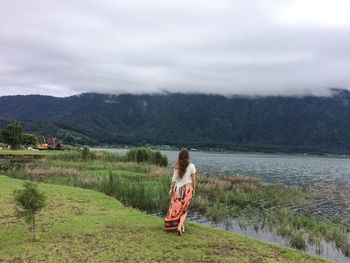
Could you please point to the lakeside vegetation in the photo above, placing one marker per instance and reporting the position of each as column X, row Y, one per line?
column 220, row 199
column 80, row 225
column 23, row 152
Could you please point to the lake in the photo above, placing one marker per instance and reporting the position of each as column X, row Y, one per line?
column 328, row 176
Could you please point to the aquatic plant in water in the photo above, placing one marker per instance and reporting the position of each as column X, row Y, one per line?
column 220, row 199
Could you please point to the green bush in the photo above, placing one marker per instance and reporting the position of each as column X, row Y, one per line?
column 29, row 201
column 12, row 135
column 159, row 159
column 86, row 154
column 145, row 155
column 29, row 139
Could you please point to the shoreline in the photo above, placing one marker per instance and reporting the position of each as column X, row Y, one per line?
column 243, row 153
column 125, row 228
column 134, row 168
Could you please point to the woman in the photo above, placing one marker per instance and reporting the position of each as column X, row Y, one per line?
column 183, row 185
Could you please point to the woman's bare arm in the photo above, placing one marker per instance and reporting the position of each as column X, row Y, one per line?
column 173, row 179
column 194, row 182
column 171, row 188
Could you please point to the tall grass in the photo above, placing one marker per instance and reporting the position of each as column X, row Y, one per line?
column 138, row 155
column 223, row 199
column 141, row 186
column 65, row 176
column 220, row 199
column 66, row 156
column 85, row 155
column 108, row 156
column 151, row 196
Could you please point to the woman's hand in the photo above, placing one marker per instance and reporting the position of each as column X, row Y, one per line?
column 170, row 192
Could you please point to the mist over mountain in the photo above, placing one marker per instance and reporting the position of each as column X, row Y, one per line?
column 288, row 124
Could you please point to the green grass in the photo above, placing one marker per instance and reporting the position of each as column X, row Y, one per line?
column 24, row 152
column 80, row 225
column 245, row 199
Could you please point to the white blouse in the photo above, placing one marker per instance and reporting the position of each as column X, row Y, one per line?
column 186, row 179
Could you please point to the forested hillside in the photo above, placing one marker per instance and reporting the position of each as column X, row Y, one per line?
column 289, row 124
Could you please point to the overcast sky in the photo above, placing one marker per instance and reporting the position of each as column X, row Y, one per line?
column 246, row 47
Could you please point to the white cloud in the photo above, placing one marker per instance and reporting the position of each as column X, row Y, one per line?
column 254, row 47
column 323, row 13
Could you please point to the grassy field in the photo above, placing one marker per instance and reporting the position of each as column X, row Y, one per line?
column 145, row 186
column 25, row 152
column 80, row 225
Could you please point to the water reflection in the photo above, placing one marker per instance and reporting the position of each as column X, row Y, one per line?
column 328, row 250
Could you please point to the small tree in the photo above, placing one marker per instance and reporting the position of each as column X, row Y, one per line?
column 29, row 201
column 29, row 139
column 12, row 134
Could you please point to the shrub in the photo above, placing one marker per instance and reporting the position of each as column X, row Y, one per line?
column 85, row 154
column 145, row 155
column 29, row 202
column 29, row 139
column 159, row 159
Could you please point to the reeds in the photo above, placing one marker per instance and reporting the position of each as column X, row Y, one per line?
column 66, row 156
column 150, row 196
column 335, row 193
column 220, row 199
column 108, row 156
column 139, row 155
column 85, row 154
column 268, row 207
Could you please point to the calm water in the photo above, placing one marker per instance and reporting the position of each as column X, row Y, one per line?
column 290, row 170
column 329, row 175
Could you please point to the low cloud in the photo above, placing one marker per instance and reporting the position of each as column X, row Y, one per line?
column 228, row 47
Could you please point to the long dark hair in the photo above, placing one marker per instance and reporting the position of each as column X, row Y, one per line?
column 183, row 161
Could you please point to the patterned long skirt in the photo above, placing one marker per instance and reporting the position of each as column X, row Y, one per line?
column 179, row 205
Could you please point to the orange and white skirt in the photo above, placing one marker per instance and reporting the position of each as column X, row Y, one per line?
column 179, row 205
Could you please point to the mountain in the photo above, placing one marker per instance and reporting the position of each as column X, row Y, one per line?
column 288, row 124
